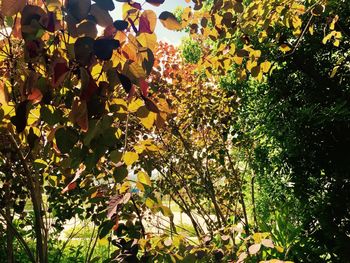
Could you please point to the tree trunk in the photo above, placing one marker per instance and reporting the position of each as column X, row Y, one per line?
column 9, row 232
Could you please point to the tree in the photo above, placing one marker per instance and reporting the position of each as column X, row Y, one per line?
column 64, row 115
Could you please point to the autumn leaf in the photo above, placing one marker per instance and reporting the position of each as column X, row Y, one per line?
column 130, row 158
column 79, row 114
column 144, row 86
column 21, row 117
column 126, row 82
column 148, row 21
column 121, row 25
column 4, row 95
column 143, row 178
column 169, row 21
column 35, row 95
column 12, row 7
column 103, row 48
column 115, row 202
column 253, row 249
column 155, row 2
column 103, row 18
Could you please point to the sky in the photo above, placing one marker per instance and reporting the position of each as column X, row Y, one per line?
column 162, row 33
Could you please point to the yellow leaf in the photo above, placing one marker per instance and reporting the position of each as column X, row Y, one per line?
column 137, row 70
column 147, row 40
column 285, row 48
column 149, row 203
column 265, row 66
column 140, row 186
column 143, row 178
column 135, row 105
column 279, row 249
column 124, row 188
column 334, row 71
column 130, row 158
column 4, row 94
column 148, row 121
column 166, row 211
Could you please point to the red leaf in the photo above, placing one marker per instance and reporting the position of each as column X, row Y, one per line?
column 60, row 69
column 145, row 26
column 131, row 93
column 91, row 89
column 73, row 184
column 109, row 31
column 35, row 96
column 144, row 87
column 136, row 5
column 115, row 227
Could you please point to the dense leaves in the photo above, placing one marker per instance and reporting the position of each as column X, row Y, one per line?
column 101, row 122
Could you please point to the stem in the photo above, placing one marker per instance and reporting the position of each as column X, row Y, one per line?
column 139, row 217
column 19, row 237
column 35, row 194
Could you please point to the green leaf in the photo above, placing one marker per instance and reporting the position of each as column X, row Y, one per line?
column 66, row 138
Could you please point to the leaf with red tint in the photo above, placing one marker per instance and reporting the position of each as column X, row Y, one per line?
column 169, row 21
column 115, row 202
column 60, row 70
column 32, row 48
column 90, row 90
column 109, row 31
column 4, row 94
column 115, row 227
column 155, row 2
column 144, row 87
column 35, row 95
column 145, row 26
column 79, row 114
column 136, row 5
column 73, row 184
column 131, row 93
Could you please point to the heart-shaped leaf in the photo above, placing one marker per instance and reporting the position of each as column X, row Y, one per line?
column 21, row 117
column 121, row 25
column 126, row 82
column 79, row 9
column 84, row 49
column 105, row 4
column 66, row 138
column 155, row 2
column 103, row 48
column 169, row 21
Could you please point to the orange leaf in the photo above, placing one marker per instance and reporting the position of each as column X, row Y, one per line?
column 35, row 96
